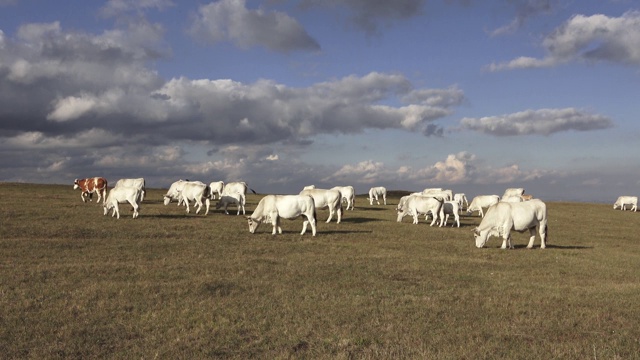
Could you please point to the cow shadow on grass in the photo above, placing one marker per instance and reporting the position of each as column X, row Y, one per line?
column 550, row 246
column 358, row 220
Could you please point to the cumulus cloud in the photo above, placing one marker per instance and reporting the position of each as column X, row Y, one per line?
column 367, row 172
column 592, row 38
column 537, row 122
column 118, row 7
column 230, row 20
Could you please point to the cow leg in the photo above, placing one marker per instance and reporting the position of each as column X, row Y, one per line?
column 481, row 213
column 384, row 197
column 330, row 214
column 116, row 210
column 543, row 236
column 207, row 204
column 457, row 220
column 532, row 236
column 339, row 211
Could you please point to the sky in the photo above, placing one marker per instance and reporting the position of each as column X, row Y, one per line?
column 473, row 96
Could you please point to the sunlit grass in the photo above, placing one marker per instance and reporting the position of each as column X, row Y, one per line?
column 77, row 284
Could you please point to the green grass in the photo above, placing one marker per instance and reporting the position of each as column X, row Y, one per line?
column 77, row 284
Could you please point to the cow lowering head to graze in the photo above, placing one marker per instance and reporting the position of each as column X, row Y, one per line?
column 324, row 198
column 90, row 185
column 482, row 201
column 504, row 217
column 348, row 195
column 416, row 205
column 377, row 191
column 137, row 183
column 120, row 195
column 237, row 199
column 272, row 208
column 187, row 191
column 217, row 187
column 623, row 201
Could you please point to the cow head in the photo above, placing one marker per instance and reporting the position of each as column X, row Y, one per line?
column 253, row 224
column 480, row 237
column 76, row 184
column 167, row 199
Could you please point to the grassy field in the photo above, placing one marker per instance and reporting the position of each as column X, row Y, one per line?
column 171, row 285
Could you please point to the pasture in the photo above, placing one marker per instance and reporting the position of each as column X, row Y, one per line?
column 77, row 284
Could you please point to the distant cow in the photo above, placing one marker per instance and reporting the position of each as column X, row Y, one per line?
column 461, row 199
column 323, row 198
column 503, row 217
column 482, row 201
column 120, row 195
column 272, row 208
column 237, row 199
column 90, row 185
column 185, row 191
column 348, row 195
column 137, row 183
column 216, row 188
column 623, row 201
column 374, row 192
column 513, row 192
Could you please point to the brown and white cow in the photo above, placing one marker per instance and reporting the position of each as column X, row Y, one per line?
column 90, row 185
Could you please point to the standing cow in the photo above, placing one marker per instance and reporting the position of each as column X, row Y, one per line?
column 137, row 183
column 90, row 185
column 272, row 208
column 120, row 195
column 374, row 192
column 623, row 201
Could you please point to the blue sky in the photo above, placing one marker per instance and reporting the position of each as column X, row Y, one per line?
column 474, row 96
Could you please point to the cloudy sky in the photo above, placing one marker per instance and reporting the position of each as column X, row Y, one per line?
column 474, row 96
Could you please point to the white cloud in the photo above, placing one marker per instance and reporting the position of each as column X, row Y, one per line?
column 587, row 38
column 537, row 122
column 230, row 20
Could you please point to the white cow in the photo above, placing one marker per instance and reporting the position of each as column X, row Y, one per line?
column 273, row 207
column 216, row 187
column 415, row 205
column 513, row 192
column 482, row 201
column 374, row 192
column 437, row 192
column 326, row 198
column 623, row 201
column 451, row 208
column 503, row 217
column 512, row 199
column 137, row 183
column 175, row 189
column 235, row 187
column 348, row 195
column 461, row 199
column 309, row 187
column 237, row 199
column 191, row 190
column 120, row 195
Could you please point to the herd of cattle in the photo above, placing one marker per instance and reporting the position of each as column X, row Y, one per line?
column 512, row 211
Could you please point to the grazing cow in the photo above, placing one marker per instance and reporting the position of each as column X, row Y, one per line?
column 513, row 192
column 461, row 199
column 482, row 201
column 526, row 197
column 415, row 205
column 273, row 207
column 237, row 199
column 451, row 208
column 348, row 195
column 120, row 195
column 374, row 192
column 90, row 185
column 185, row 191
column 503, row 217
column 216, row 187
column 137, row 183
column 323, row 198
column 623, row 201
